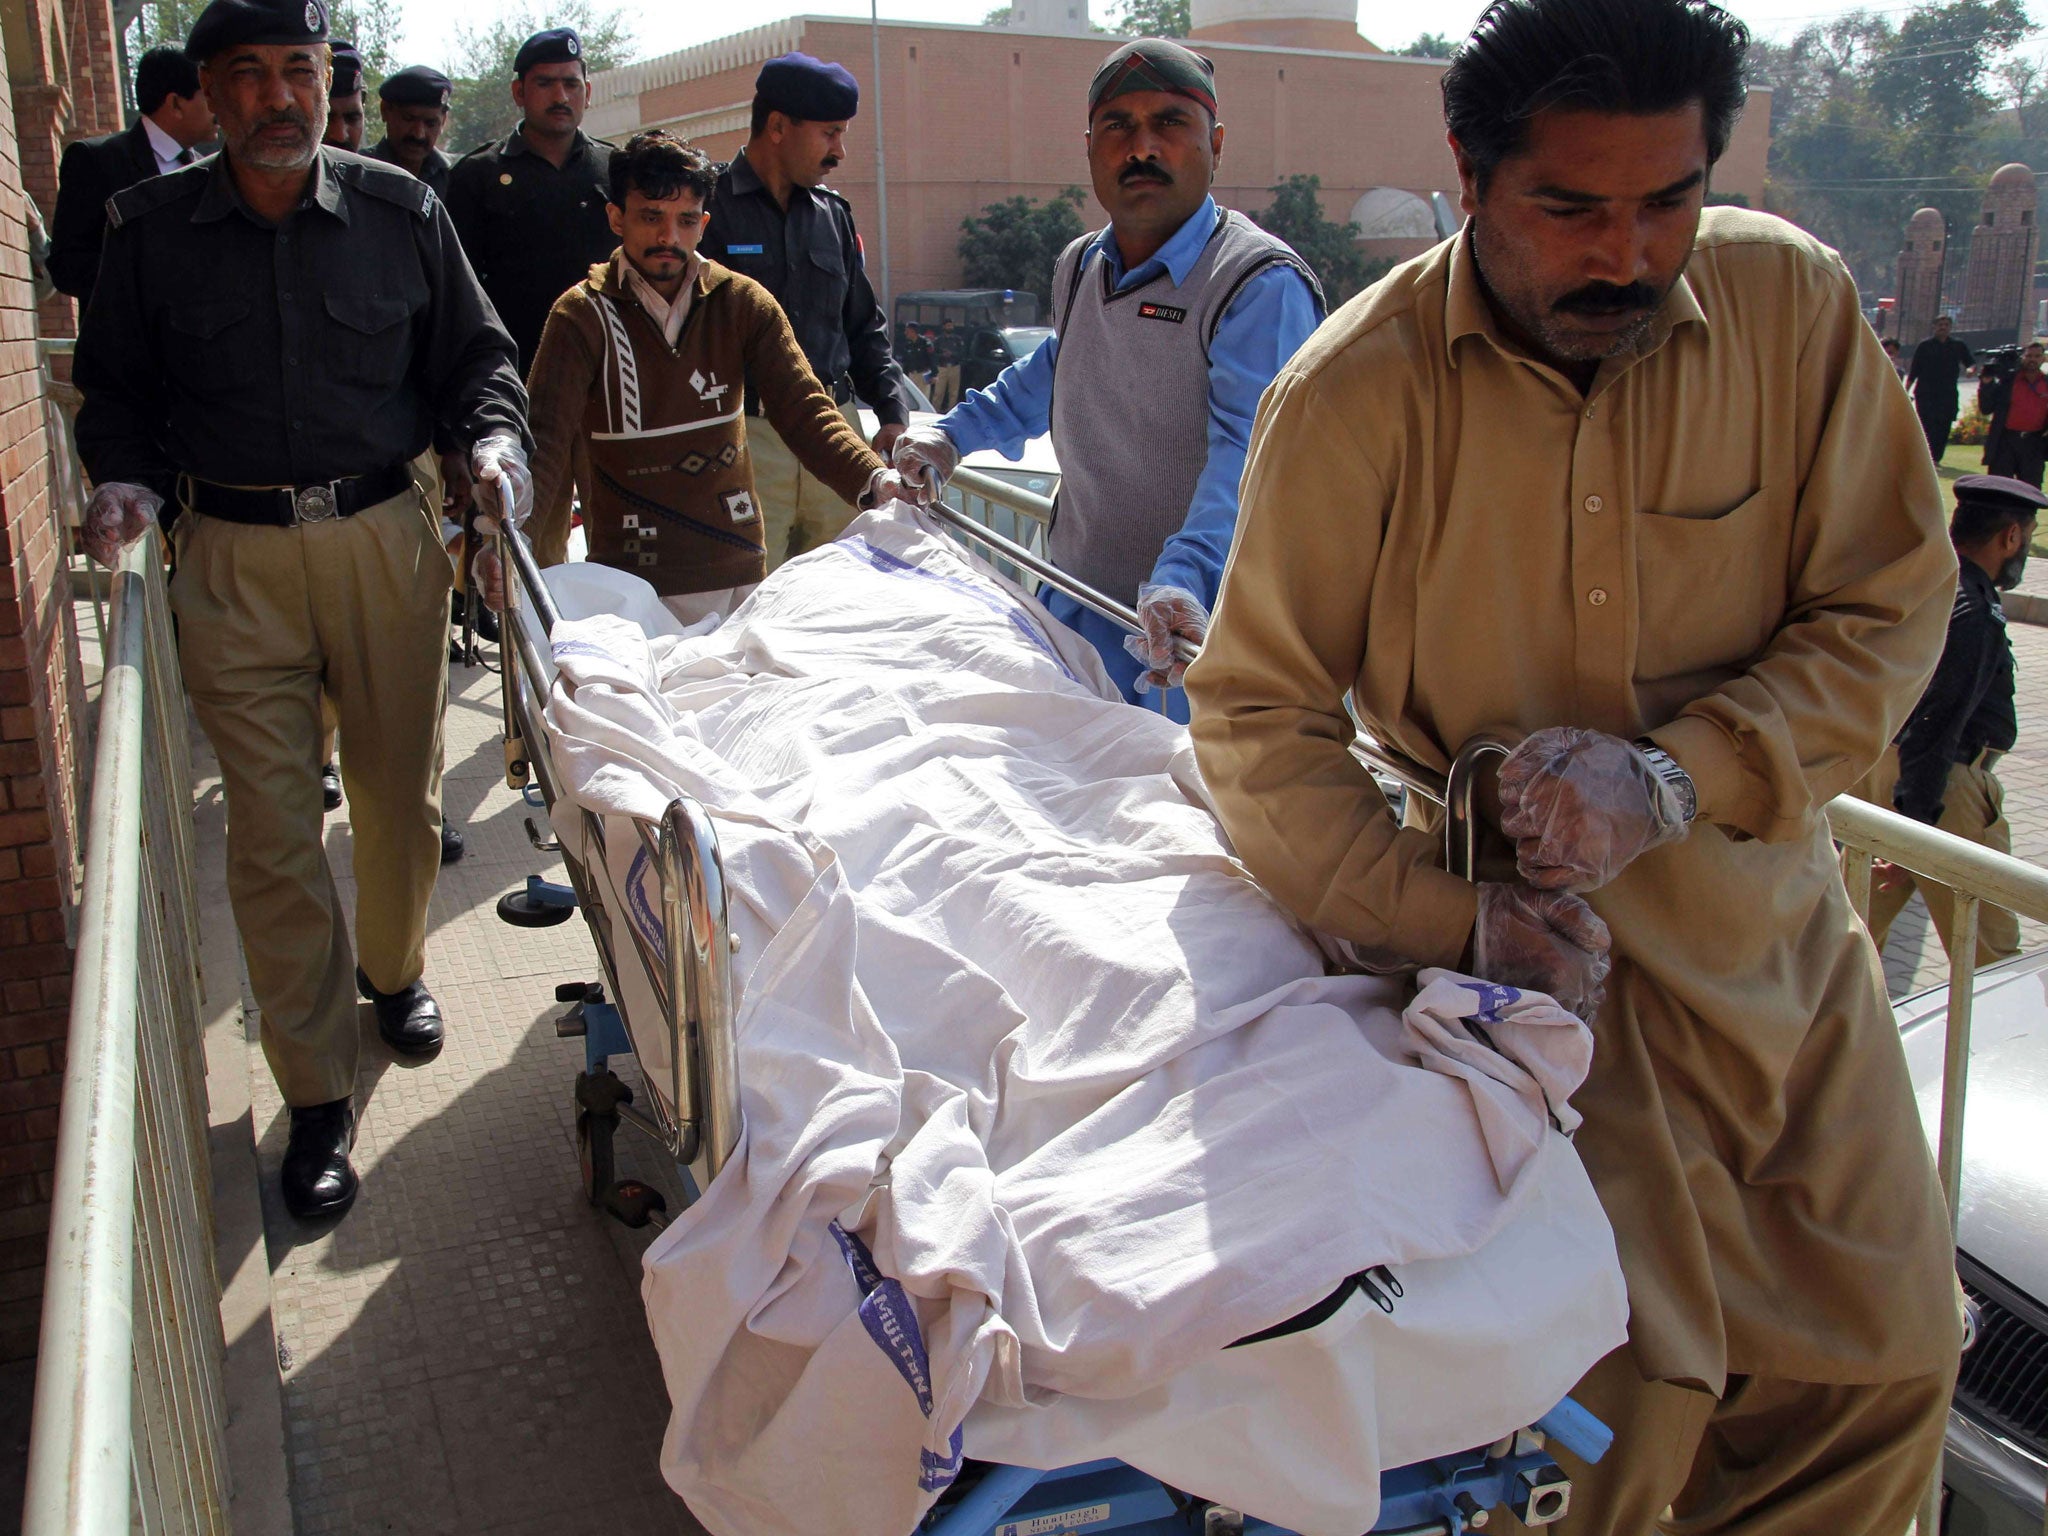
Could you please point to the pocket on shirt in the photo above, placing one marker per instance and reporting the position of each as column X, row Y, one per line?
column 370, row 339
column 202, row 339
column 1710, row 588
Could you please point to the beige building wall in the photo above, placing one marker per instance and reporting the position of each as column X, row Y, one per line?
column 974, row 115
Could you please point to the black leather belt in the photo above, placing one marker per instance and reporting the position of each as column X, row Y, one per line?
column 286, row 506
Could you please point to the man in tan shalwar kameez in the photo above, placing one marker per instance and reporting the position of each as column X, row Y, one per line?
column 1688, row 511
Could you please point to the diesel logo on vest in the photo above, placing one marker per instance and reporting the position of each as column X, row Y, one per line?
column 1161, row 312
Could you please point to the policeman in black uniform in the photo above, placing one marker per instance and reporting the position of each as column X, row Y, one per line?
column 531, row 210
column 345, row 119
column 414, row 105
column 1940, row 771
column 773, row 219
column 276, row 333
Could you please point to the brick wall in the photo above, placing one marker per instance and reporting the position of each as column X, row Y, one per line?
column 43, row 734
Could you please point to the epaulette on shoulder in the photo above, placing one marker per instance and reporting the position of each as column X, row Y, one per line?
column 156, row 192
column 837, row 197
column 387, row 183
column 482, row 149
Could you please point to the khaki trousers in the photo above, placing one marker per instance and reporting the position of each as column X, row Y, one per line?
column 1972, row 807
column 1771, row 1458
column 268, row 618
column 946, row 388
column 798, row 510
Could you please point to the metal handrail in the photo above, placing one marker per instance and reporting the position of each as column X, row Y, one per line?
column 129, row 1401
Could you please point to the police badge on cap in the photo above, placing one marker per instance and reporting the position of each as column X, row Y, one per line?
column 557, row 45
column 255, row 23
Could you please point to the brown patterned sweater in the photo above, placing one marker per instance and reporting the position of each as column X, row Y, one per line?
column 669, row 491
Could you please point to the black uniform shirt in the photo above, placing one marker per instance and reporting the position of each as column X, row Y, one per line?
column 247, row 353
column 434, row 173
column 1936, row 367
column 809, row 257
column 1968, row 706
column 532, row 232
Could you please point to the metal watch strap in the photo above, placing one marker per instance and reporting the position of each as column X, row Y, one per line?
column 1665, row 766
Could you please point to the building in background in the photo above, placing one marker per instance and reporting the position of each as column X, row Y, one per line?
column 975, row 115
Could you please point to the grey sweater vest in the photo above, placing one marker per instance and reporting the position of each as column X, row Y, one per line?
column 1130, row 400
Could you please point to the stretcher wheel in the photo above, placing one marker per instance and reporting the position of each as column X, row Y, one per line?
column 594, row 1154
column 522, row 911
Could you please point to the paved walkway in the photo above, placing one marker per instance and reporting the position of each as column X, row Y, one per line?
column 466, row 1352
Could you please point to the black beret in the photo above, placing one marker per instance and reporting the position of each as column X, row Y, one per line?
column 348, row 70
column 252, row 23
column 419, row 85
column 809, row 89
column 558, row 45
column 1998, row 490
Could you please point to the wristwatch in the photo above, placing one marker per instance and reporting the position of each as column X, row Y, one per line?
column 1665, row 766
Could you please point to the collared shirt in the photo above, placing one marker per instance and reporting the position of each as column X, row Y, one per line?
column 434, row 173
column 1733, row 542
column 1264, row 325
column 532, row 230
column 1968, row 706
column 667, row 315
column 329, row 345
column 2027, row 410
column 809, row 257
column 170, row 154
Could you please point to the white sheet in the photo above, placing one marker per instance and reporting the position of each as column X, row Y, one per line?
column 1046, row 1103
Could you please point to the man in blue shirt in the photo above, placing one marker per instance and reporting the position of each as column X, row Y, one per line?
column 1168, row 326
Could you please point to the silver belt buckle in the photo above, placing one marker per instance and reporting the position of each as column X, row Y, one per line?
column 313, row 504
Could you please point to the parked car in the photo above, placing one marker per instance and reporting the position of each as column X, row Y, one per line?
column 1996, row 1472
column 990, row 351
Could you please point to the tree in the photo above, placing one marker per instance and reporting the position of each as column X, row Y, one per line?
column 160, row 23
column 375, row 27
column 1430, row 45
column 1331, row 250
column 1014, row 244
column 999, row 17
column 1154, row 18
column 481, row 109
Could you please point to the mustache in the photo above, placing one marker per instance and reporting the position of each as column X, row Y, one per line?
column 290, row 115
column 1143, row 170
column 831, row 162
column 1607, row 299
column 668, row 250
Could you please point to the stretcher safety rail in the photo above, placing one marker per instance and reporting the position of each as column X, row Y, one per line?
column 1444, row 1497
column 1864, row 832
column 130, row 1406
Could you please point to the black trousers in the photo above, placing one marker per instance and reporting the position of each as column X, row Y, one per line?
column 1937, row 418
column 2021, row 455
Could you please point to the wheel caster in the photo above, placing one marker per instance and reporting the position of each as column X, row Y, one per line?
column 520, row 910
column 635, row 1204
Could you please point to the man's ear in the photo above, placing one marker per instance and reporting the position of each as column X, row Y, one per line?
column 1468, row 177
column 617, row 216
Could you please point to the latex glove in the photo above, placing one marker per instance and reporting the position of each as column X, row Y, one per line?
column 925, row 457
column 118, row 515
column 487, row 577
column 500, row 460
column 886, row 486
column 1168, row 614
column 1549, row 941
column 1581, row 806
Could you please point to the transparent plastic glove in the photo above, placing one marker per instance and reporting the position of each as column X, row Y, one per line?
column 1168, row 614
column 887, row 486
column 925, row 457
column 1549, row 941
column 487, row 575
column 1581, row 806
column 500, row 461
column 118, row 515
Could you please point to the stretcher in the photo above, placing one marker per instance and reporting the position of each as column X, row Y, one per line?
column 692, row 1105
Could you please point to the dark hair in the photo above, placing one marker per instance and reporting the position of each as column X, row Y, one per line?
column 762, row 107
column 1890, row 343
column 164, row 72
column 1633, row 57
column 658, row 166
column 1979, row 518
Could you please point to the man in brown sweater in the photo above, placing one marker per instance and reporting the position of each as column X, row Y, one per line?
column 644, row 361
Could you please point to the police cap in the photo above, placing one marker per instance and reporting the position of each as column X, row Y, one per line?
column 418, row 85
column 2001, row 491
column 255, row 23
column 348, row 70
column 808, row 89
column 557, row 45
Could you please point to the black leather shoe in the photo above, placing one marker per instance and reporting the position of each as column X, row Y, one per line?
column 330, row 786
column 409, row 1020
column 486, row 621
column 317, row 1180
column 451, row 842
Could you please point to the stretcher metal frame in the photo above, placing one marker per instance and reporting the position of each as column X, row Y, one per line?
column 691, row 977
